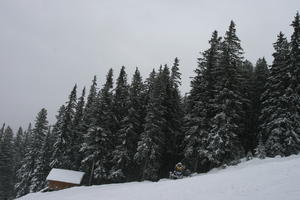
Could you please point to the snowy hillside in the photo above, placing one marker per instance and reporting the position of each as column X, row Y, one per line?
column 277, row 178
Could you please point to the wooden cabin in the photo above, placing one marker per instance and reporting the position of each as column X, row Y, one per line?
column 59, row 179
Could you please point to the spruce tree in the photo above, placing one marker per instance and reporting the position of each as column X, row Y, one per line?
column 177, row 111
column 227, row 124
column 57, row 127
column 2, row 132
column 43, row 164
column 23, row 174
column 173, row 116
column 7, row 165
column 78, row 132
column 19, row 146
column 62, row 155
column 36, row 153
column 248, row 139
column 152, row 140
column 124, row 168
column 261, row 74
column 200, row 110
column 279, row 130
column 97, row 144
column 120, row 111
column 89, row 110
column 19, row 151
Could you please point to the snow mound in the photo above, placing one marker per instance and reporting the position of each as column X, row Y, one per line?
column 67, row 176
column 268, row 179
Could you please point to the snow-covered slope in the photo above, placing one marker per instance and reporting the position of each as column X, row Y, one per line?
column 272, row 178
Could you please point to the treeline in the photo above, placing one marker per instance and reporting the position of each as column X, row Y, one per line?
column 132, row 132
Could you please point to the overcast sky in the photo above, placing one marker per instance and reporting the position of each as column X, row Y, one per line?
column 48, row 46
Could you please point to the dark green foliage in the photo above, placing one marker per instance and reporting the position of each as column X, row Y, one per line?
column 77, row 133
column 280, row 119
column 261, row 74
column 23, row 174
column 200, row 108
column 36, row 153
column 62, row 156
column 7, row 165
column 97, row 144
column 124, row 168
column 227, row 124
column 247, row 90
column 150, row 146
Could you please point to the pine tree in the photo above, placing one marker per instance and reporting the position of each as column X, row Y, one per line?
column 37, row 153
column 227, row 124
column 62, row 155
column 19, row 152
column 151, row 143
column 173, row 116
column 261, row 74
column 88, row 117
column 2, row 132
column 177, row 110
column 200, row 109
column 124, row 168
column 120, row 104
column 98, row 140
column 76, row 155
column 294, row 57
column 120, row 111
column 27, row 165
column 279, row 130
column 19, row 145
column 7, row 165
column 56, row 131
column 247, row 90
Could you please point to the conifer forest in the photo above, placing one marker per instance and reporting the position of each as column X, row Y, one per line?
column 138, row 130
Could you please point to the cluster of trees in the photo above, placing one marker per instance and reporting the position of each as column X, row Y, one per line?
column 139, row 131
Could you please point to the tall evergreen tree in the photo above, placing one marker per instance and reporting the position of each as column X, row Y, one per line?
column 227, row 124
column 2, row 132
column 294, row 57
column 36, row 153
column 150, row 146
column 24, row 173
column 124, row 167
column 19, row 145
column 57, row 127
column 199, row 152
column 97, row 144
column 62, row 155
column 7, row 165
column 247, row 91
column 89, row 110
column 19, row 151
column 173, row 116
column 261, row 74
column 76, row 155
column 43, row 164
column 280, row 102
column 121, row 97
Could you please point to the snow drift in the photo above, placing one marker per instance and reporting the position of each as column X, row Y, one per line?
column 271, row 178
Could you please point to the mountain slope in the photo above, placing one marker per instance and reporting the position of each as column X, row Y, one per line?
column 271, row 178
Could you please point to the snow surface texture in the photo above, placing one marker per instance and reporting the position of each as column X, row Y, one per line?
column 268, row 179
column 67, row 176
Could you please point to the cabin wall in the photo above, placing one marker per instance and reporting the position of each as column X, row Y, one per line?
column 56, row 185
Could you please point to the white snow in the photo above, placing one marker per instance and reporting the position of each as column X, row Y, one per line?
column 67, row 176
column 268, row 179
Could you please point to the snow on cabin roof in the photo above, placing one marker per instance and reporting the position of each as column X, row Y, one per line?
column 64, row 175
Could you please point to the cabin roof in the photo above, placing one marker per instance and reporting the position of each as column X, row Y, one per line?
column 64, row 175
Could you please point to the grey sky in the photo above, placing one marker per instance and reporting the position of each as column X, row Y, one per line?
column 48, row 46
